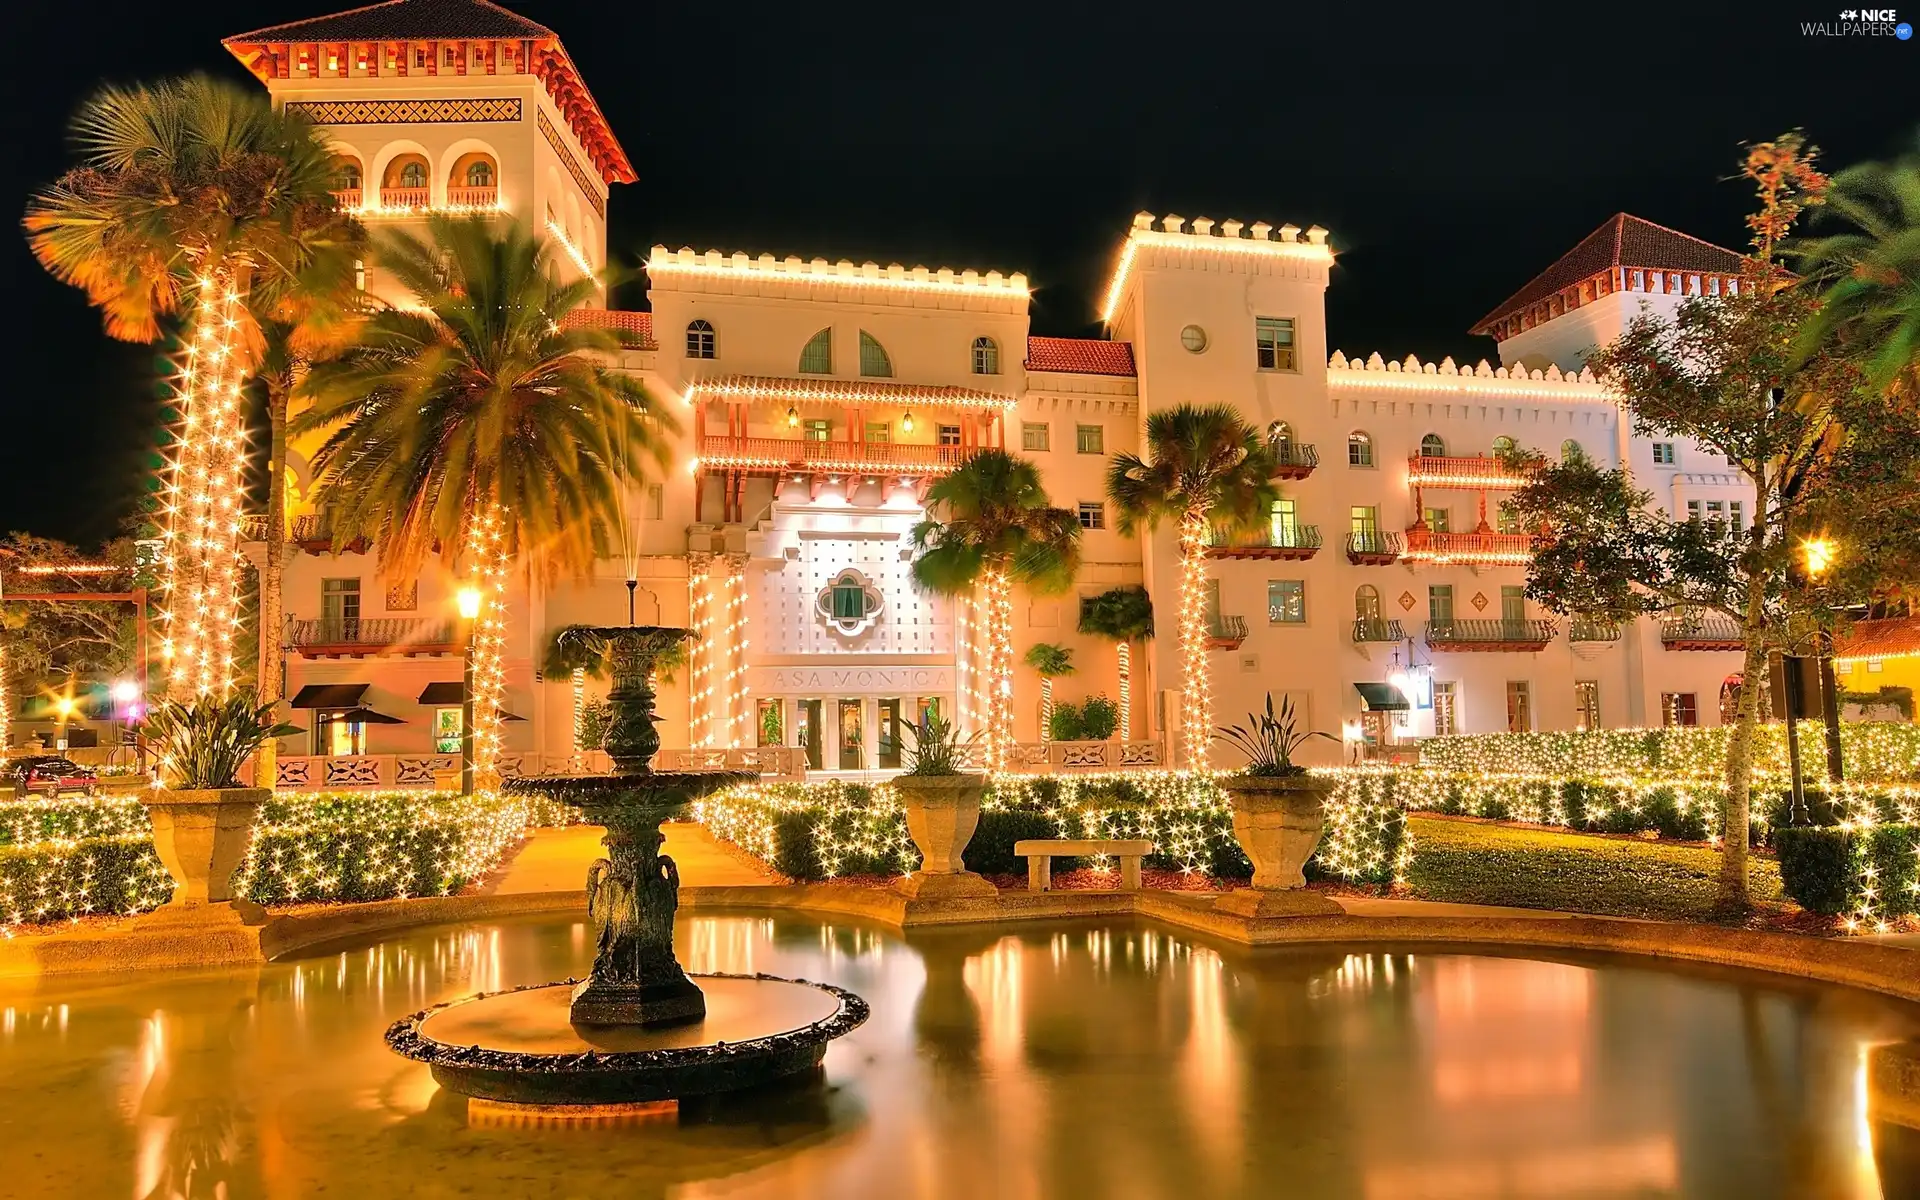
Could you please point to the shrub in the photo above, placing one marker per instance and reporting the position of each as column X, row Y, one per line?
column 103, row 875
column 991, row 850
column 1891, row 852
column 1066, row 724
column 1818, row 867
column 1099, row 718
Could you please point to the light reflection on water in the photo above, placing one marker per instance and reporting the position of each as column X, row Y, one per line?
column 1087, row 1059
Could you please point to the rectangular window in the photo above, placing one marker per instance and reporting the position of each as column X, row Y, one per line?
column 1213, row 603
column 1273, row 343
column 1445, row 719
column 1663, row 454
column 1678, row 708
column 1440, row 603
column 1519, row 706
column 1586, row 704
column 446, row 731
column 1090, row 439
column 1693, row 510
column 1285, row 523
column 949, row 435
column 1736, row 516
column 1359, row 450
column 1036, row 435
column 771, row 723
column 879, row 432
column 1093, row 514
column 1716, row 510
column 1365, row 519
column 1513, row 604
column 656, row 501
column 1286, row 602
column 1437, row 520
column 849, row 602
column 817, row 429
column 340, row 607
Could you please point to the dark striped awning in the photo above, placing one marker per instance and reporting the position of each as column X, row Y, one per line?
column 330, row 695
column 1382, row 697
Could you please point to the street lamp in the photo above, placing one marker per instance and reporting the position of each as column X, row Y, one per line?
column 1820, row 555
column 63, row 706
column 468, row 601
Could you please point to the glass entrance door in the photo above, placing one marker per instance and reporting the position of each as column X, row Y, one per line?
column 889, row 734
column 807, row 731
column 851, row 744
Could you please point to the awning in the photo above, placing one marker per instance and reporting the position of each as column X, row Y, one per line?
column 441, row 694
column 330, row 695
column 366, row 716
column 504, row 715
column 1382, row 697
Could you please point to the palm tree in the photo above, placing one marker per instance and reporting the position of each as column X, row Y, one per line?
column 1051, row 662
column 475, row 427
column 992, row 527
column 199, row 196
column 1205, row 469
column 1122, row 616
column 1871, row 273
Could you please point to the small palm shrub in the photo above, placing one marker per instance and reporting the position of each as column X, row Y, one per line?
column 202, row 744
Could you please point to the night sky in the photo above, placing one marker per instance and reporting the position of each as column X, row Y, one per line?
column 1453, row 150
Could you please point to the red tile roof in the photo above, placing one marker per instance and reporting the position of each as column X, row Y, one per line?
column 1080, row 356
column 633, row 328
column 1623, row 241
column 1892, row 637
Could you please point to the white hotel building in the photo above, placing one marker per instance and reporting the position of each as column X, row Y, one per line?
column 816, row 400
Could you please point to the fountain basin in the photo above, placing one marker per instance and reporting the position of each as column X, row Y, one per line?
column 521, row 1046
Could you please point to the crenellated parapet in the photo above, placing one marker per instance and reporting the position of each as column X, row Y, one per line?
column 1258, row 248
column 1516, row 382
column 916, row 286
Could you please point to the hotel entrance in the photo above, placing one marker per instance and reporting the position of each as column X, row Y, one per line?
column 844, row 733
column 851, row 742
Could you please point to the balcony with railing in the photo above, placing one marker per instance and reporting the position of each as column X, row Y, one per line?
column 1588, row 629
column 1377, row 629
column 1293, row 460
column 1482, row 547
column 1527, row 635
column 1473, row 474
column 1374, row 548
column 347, row 198
column 808, row 454
column 313, row 533
column 473, row 197
column 1295, row 542
column 1695, row 631
column 1225, row 633
column 357, row 637
column 406, row 197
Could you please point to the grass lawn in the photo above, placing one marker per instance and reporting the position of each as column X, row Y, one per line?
column 1471, row 862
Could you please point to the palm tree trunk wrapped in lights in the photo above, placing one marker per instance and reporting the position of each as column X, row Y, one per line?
column 1121, row 616
column 489, row 555
column 1048, row 661
column 1205, row 469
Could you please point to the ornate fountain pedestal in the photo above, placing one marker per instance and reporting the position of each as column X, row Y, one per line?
column 638, row 1028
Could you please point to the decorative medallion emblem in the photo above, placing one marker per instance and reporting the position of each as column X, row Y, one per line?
column 1479, row 602
column 850, row 605
column 1406, row 601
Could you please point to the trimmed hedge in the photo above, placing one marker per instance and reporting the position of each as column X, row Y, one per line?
column 1818, row 867
column 1468, row 863
column 118, row 874
column 1870, row 750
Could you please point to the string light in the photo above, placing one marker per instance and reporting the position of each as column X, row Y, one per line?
column 734, row 642
column 576, row 761
column 1196, row 703
column 489, row 550
column 998, row 589
column 1125, row 652
column 699, row 660
column 573, row 251
column 662, row 261
column 202, row 497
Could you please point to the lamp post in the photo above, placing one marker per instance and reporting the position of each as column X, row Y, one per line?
column 468, row 600
column 1821, row 553
column 63, row 707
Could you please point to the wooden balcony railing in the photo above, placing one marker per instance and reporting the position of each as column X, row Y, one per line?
column 1226, row 633
column 1374, row 548
column 1497, row 549
column 399, row 197
column 347, row 197
column 473, row 197
column 1528, row 634
column 765, row 453
column 356, row 637
column 1692, row 631
column 1377, row 629
column 1434, row 471
column 1287, row 542
column 1293, row 460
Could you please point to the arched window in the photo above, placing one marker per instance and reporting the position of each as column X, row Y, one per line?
column 413, row 175
column 700, row 340
column 816, row 357
column 480, row 174
column 873, row 358
column 1502, row 445
column 346, row 177
column 1359, row 449
column 1433, row 446
column 1279, row 434
column 1571, row 451
column 1366, row 603
column 986, row 356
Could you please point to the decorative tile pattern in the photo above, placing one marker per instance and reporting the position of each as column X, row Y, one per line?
column 409, row 112
column 1479, row 602
column 352, row 772
column 292, row 773
column 1406, row 601
column 572, row 164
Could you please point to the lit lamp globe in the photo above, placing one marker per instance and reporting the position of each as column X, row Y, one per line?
column 468, row 600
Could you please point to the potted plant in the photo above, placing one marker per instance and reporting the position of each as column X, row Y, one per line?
column 1277, row 811
column 942, row 803
column 202, row 816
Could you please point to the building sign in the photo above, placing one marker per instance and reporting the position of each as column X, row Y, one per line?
column 849, row 681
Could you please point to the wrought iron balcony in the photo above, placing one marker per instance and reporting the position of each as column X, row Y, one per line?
column 1374, row 548
column 1226, row 633
column 1585, row 629
column 1526, row 634
column 355, row 637
column 1472, row 474
column 807, row 454
column 1377, row 629
column 1293, row 460
column 314, row 534
column 1287, row 542
column 1696, row 631
column 1491, row 549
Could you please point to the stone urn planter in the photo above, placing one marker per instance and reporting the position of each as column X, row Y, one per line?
column 1277, row 820
column 942, row 813
column 201, row 836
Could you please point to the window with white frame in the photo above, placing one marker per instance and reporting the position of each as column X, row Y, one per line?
column 1274, row 344
column 700, row 340
column 1359, row 449
column 1663, row 455
column 1093, row 514
column 986, row 356
column 1090, row 439
column 1286, row 602
column 1036, row 435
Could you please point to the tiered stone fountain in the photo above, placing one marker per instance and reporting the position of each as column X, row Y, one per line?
column 638, row 1028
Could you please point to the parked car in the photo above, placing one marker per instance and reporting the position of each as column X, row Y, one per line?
column 50, row 775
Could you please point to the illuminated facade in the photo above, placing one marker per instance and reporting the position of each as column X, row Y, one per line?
column 817, row 401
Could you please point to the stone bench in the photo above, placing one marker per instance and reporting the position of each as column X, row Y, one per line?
column 1040, row 853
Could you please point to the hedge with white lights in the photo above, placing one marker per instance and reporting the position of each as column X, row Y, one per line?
column 1877, row 750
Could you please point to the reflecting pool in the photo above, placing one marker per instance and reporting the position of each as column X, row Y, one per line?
column 1100, row 1059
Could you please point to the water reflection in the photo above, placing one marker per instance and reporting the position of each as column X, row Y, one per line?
column 1082, row 1059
